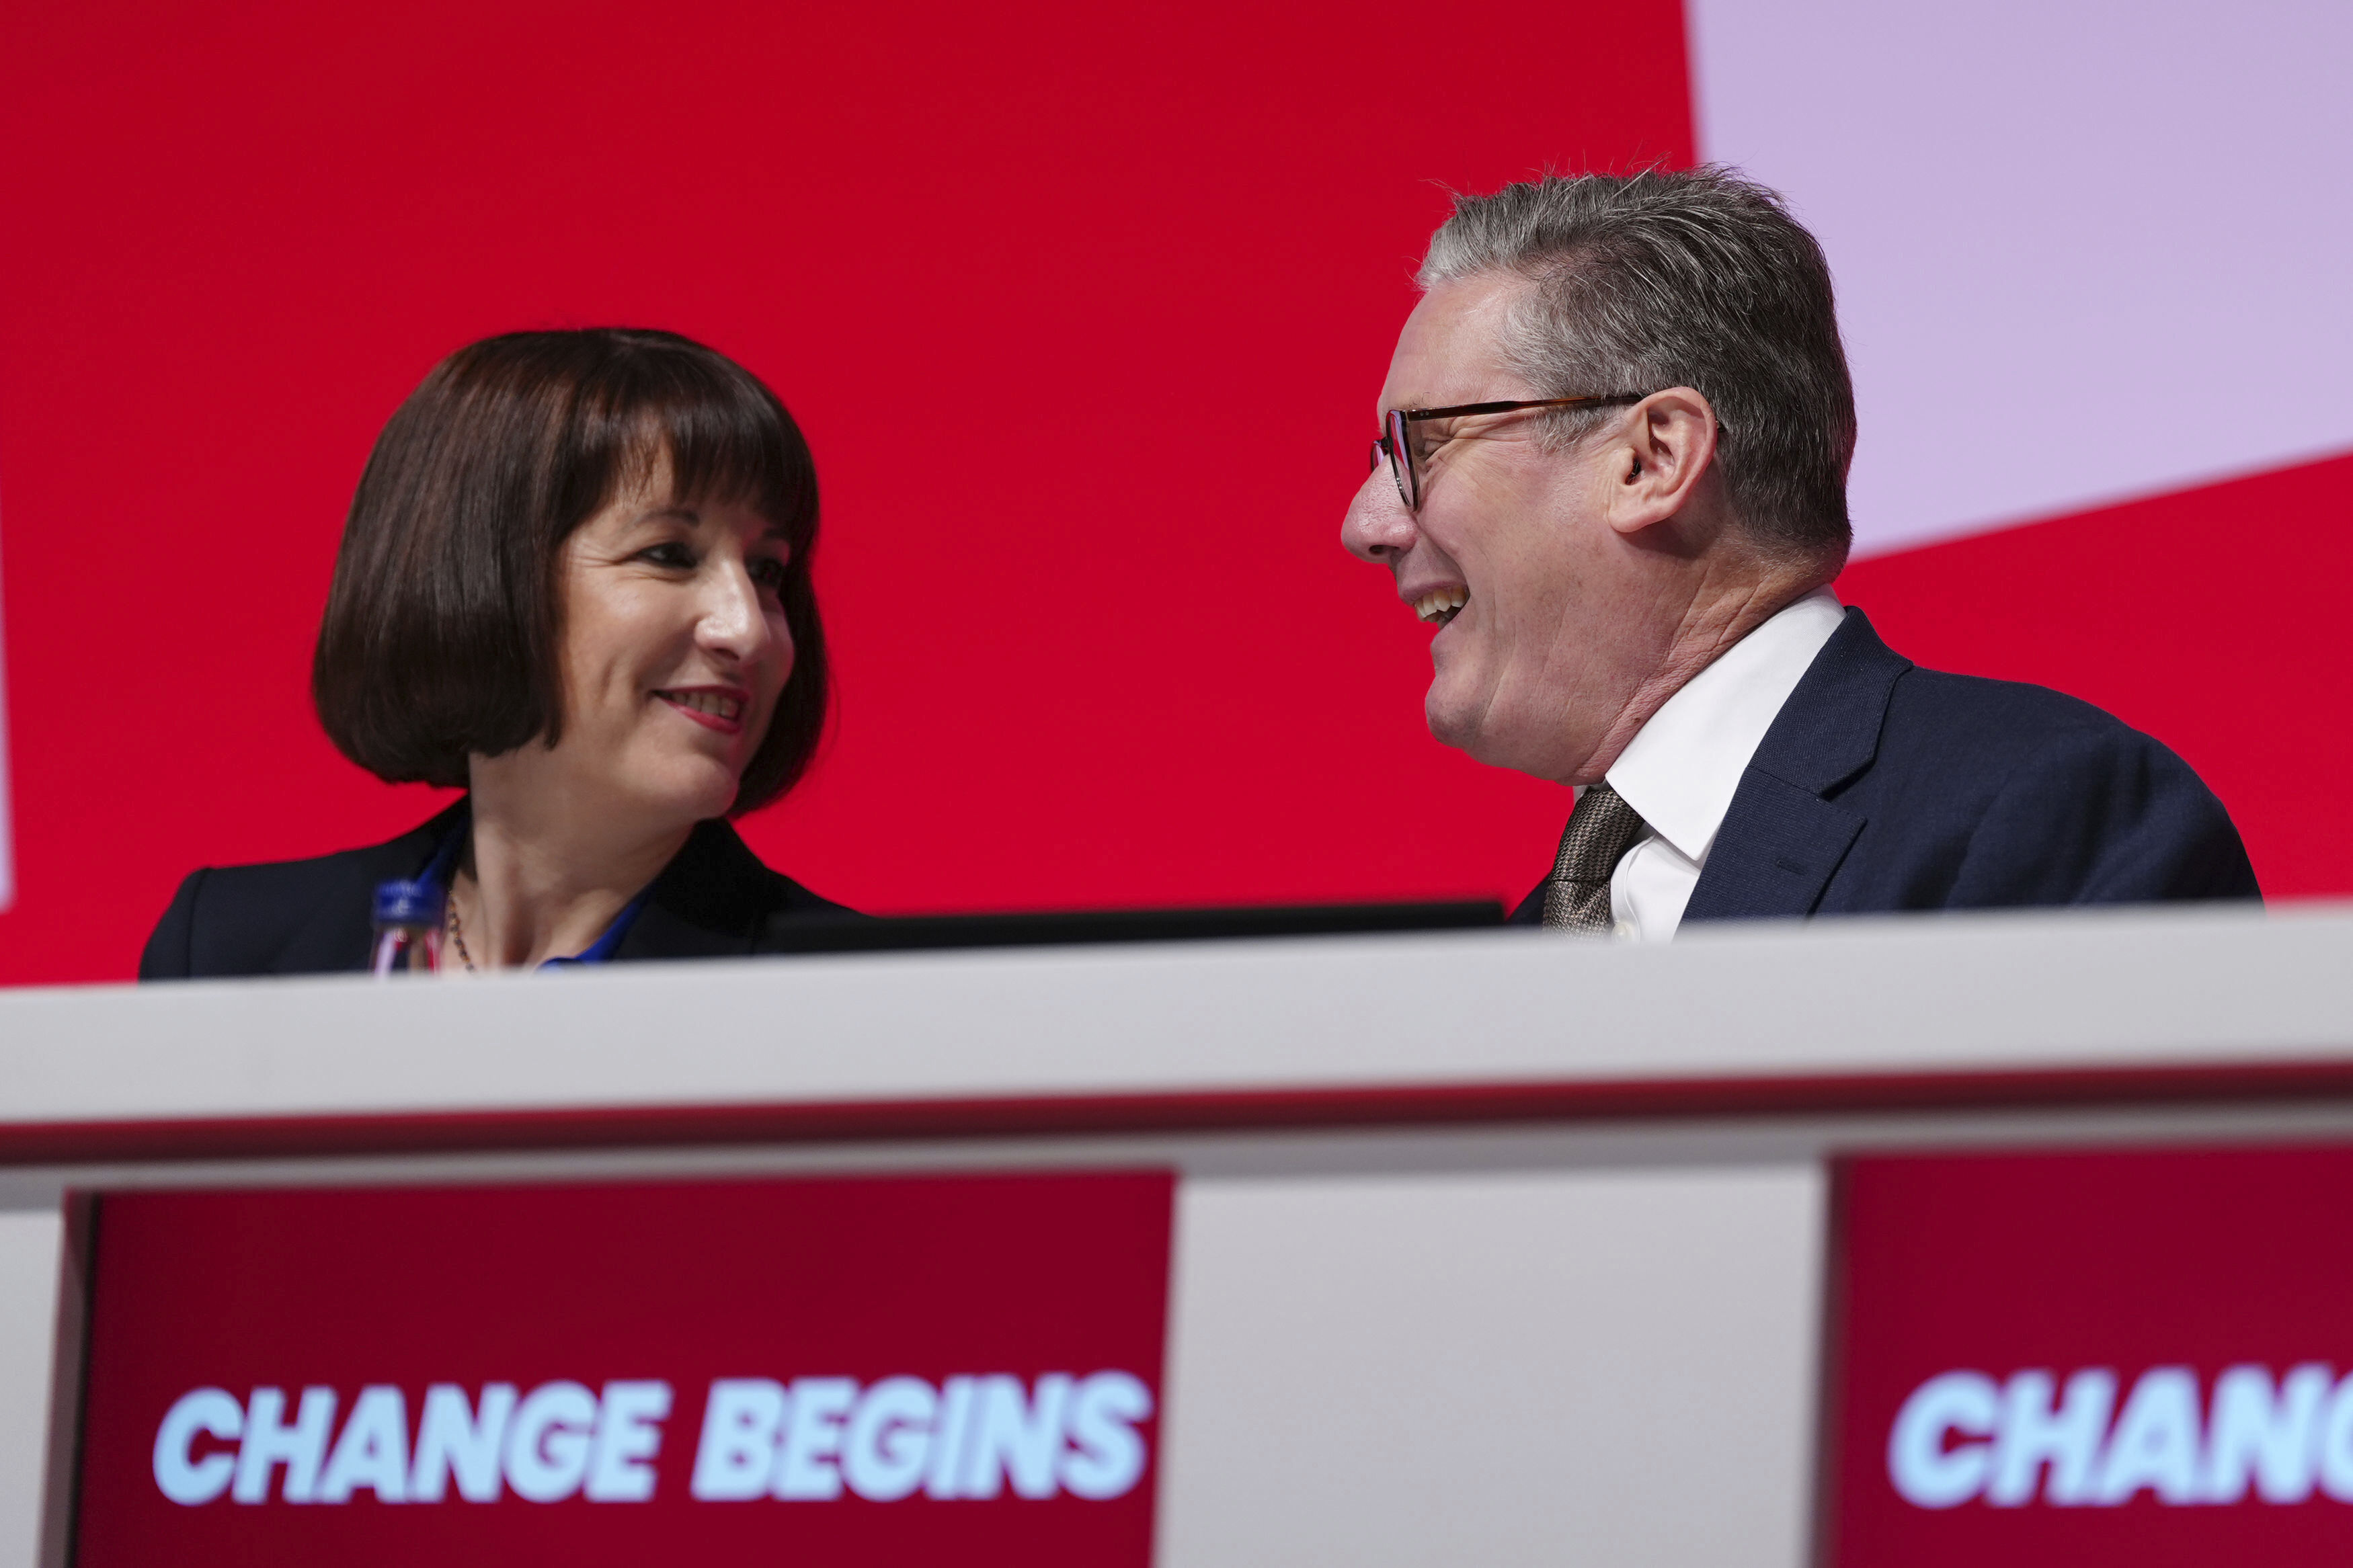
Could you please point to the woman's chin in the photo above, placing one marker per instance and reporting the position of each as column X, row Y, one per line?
column 690, row 790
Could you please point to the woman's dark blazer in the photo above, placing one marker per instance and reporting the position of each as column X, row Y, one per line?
column 714, row 899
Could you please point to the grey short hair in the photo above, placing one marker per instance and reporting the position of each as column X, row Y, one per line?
column 1695, row 277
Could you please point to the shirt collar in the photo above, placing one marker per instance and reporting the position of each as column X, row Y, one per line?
column 1679, row 772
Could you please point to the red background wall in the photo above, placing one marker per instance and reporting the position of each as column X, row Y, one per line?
column 1084, row 312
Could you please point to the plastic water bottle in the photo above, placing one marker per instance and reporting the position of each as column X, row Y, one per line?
column 407, row 928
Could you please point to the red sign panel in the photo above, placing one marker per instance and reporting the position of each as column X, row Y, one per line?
column 2140, row 1358
column 880, row 1371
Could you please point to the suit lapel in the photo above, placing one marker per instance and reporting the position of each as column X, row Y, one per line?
column 1782, row 839
column 1775, row 853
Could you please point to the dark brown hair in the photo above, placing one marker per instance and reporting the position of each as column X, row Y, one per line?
column 441, row 636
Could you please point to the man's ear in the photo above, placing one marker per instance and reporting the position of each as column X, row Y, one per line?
column 1658, row 458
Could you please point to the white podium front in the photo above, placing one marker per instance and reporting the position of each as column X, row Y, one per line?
column 1488, row 1248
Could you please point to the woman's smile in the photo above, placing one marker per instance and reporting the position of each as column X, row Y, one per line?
column 720, row 707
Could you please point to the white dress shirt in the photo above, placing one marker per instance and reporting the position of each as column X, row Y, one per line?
column 1681, row 770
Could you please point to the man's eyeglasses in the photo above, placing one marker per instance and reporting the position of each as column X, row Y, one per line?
column 1404, row 463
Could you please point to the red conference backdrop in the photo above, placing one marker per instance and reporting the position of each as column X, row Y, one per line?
column 1084, row 309
column 886, row 1370
column 2043, row 1361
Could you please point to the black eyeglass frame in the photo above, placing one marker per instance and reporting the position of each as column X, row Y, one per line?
column 1407, row 471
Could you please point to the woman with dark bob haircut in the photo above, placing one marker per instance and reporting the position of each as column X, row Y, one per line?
column 574, row 583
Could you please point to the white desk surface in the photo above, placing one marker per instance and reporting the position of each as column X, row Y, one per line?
column 1225, row 1033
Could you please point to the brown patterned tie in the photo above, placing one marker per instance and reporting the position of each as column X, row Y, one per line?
column 1600, row 830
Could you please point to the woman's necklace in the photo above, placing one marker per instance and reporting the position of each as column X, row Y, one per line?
column 457, row 938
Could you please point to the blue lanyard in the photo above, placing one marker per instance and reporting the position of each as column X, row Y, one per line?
column 445, row 861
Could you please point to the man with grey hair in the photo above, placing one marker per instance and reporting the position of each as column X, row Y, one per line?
column 1612, row 474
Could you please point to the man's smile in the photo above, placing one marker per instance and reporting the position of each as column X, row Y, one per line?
column 1440, row 606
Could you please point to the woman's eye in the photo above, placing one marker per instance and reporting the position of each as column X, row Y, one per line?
column 668, row 555
column 769, row 574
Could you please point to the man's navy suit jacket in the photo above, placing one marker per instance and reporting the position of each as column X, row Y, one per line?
column 1885, row 786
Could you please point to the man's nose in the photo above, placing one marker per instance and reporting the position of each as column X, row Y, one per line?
column 1377, row 527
